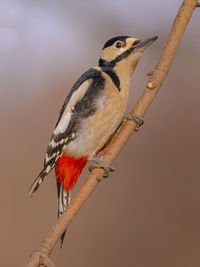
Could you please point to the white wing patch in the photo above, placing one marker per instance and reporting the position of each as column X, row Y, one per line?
column 63, row 123
column 58, row 141
column 77, row 96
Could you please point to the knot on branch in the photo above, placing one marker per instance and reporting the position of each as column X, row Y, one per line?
column 150, row 73
column 150, row 85
column 157, row 77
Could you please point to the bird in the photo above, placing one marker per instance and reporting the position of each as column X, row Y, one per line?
column 90, row 116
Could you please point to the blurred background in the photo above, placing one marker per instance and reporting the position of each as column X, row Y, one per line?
column 147, row 213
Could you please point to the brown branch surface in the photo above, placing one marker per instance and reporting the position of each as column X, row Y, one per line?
column 156, row 80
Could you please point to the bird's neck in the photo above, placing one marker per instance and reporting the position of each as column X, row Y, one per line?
column 123, row 70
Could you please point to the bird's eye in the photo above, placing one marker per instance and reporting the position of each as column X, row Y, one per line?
column 118, row 44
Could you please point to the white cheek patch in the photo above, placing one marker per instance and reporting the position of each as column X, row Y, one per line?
column 63, row 123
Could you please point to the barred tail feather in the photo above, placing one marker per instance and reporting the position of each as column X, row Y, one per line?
column 68, row 170
column 37, row 182
column 63, row 201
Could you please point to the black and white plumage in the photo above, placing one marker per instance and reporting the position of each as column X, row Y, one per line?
column 81, row 103
column 91, row 113
column 64, row 199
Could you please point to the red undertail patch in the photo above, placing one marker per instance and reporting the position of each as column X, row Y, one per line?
column 69, row 169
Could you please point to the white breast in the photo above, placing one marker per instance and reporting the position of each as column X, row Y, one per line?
column 96, row 130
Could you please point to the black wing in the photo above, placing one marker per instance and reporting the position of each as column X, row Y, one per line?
column 85, row 107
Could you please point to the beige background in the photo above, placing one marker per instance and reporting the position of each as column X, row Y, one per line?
column 147, row 213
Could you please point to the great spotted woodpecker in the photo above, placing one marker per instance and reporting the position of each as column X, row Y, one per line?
column 92, row 111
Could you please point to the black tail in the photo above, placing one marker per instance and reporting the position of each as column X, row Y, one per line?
column 37, row 182
column 63, row 202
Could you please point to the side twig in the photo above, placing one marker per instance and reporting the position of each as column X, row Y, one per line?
column 157, row 78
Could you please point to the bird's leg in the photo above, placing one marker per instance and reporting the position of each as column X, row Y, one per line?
column 97, row 163
column 127, row 117
column 135, row 118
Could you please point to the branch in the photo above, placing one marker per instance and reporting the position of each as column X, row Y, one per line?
column 157, row 78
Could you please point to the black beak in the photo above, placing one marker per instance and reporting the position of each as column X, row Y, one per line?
column 139, row 44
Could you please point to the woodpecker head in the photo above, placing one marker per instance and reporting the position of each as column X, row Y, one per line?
column 123, row 50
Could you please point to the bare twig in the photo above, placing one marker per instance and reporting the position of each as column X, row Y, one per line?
column 157, row 78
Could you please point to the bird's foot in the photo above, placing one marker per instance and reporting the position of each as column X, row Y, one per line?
column 135, row 118
column 97, row 163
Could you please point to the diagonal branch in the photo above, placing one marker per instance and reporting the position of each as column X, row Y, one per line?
column 157, row 78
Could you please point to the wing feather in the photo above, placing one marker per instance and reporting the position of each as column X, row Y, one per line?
column 80, row 103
